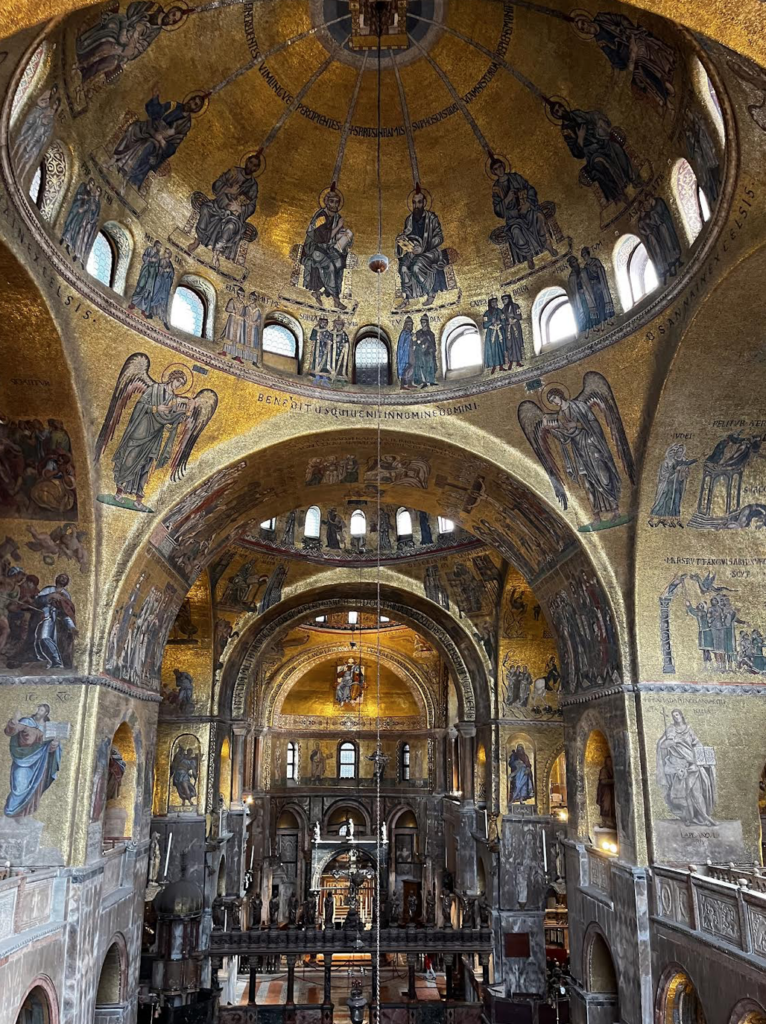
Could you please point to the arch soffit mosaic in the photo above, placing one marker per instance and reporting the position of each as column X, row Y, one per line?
column 278, row 685
column 253, row 647
column 498, row 497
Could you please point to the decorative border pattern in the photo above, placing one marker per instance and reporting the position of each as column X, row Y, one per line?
column 126, row 689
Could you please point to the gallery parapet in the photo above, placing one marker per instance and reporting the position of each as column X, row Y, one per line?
column 718, row 903
column 272, row 941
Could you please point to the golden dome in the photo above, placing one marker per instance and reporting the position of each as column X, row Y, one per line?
column 517, row 147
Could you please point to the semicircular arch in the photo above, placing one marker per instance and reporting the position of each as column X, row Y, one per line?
column 460, row 655
column 278, row 685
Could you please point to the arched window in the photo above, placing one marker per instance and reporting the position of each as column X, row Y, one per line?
column 101, row 259
column 347, row 760
column 636, row 274
column 49, row 182
column 709, row 97
column 403, row 523
column 691, row 199
column 371, row 360
column 36, row 67
column 292, row 761
column 189, row 312
column 404, row 762
column 445, row 525
column 121, row 243
column 36, row 186
column 358, row 525
column 269, row 524
column 313, row 523
column 553, row 320
column 280, row 340
column 461, row 345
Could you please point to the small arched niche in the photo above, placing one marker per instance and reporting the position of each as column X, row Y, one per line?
column 185, row 765
column 557, row 788
column 224, row 770
column 521, row 774
column 120, row 787
column 36, row 1008
column 601, row 806
column 677, row 999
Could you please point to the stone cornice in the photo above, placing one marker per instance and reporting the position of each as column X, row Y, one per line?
column 126, row 689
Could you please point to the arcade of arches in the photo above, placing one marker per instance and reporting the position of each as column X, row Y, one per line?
column 382, row 645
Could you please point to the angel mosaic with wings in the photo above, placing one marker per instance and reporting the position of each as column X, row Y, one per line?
column 163, row 427
column 572, row 430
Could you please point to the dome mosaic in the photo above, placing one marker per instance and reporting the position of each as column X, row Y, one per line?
column 546, row 177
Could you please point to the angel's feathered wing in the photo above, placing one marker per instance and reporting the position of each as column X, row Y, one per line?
column 203, row 406
column 533, row 422
column 133, row 380
column 597, row 394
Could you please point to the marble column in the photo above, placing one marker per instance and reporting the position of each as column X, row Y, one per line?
column 291, row 958
column 253, row 986
column 328, row 979
column 467, row 734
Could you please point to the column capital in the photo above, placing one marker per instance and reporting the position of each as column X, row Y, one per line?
column 467, row 729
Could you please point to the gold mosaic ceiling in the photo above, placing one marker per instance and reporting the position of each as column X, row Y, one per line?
column 293, row 85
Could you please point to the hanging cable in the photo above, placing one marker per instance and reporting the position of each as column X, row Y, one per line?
column 378, row 764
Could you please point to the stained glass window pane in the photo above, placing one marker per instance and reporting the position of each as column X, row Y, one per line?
column 313, row 522
column 280, row 340
column 27, row 77
column 347, row 761
column 686, row 188
column 36, row 187
column 704, row 205
column 464, row 347
column 187, row 312
column 558, row 321
column 371, row 357
column 101, row 260
column 403, row 523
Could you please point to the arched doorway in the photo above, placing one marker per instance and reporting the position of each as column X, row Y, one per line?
column 111, row 984
column 335, row 880
column 677, row 999
column 601, row 980
column 747, row 1011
